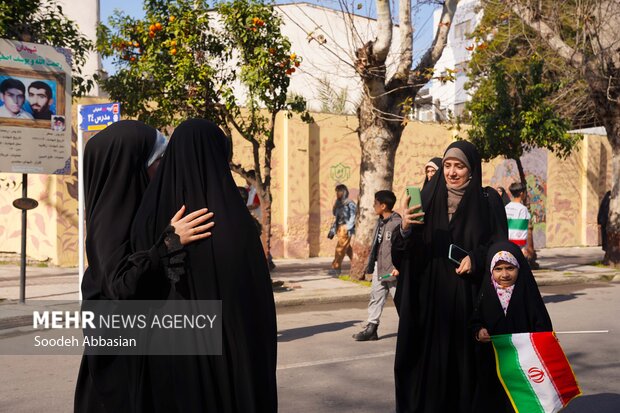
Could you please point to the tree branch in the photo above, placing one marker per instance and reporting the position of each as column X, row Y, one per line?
column 406, row 40
column 553, row 39
column 384, row 32
column 433, row 54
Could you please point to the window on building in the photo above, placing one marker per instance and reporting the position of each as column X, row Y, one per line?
column 461, row 30
column 461, row 68
column 459, row 108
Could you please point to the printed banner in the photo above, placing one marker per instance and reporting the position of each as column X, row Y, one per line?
column 35, row 108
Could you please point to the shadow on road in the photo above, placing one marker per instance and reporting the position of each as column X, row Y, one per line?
column 599, row 403
column 304, row 332
column 558, row 298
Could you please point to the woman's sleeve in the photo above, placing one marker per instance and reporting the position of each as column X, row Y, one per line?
column 133, row 270
column 498, row 232
column 475, row 322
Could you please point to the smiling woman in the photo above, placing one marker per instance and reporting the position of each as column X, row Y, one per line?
column 435, row 361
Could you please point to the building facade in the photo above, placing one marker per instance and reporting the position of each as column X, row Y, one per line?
column 449, row 96
column 87, row 16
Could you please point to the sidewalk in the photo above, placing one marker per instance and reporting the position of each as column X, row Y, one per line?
column 305, row 281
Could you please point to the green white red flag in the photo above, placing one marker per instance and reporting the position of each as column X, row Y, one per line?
column 534, row 372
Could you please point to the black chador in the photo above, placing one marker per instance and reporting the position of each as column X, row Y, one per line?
column 116, row 177
column 435, row 367
column 525, row 313
column 229, row 266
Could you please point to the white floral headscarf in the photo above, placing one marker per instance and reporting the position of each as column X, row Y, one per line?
column 504, row 294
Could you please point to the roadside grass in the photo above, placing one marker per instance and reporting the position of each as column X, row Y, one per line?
column 600, row 264
column 348, row 278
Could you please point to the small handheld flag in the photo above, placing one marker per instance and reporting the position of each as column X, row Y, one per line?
column 534, row 372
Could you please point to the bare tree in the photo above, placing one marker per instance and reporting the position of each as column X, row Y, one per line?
column 585, row 34
column 384, row 105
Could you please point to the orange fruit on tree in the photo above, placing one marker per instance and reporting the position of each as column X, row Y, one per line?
column 152, row 28
column 173, row 52
column 158, row 26
column 173, row 43
column 172, row 19
column 151, row 34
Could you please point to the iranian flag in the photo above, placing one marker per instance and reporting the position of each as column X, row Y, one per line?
column 535, row 372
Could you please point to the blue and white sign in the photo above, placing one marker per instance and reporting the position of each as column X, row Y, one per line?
column 98, row 117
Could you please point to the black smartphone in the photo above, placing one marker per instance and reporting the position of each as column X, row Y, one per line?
column 456, row 254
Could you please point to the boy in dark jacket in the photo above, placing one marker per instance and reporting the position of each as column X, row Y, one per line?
column 380, row 263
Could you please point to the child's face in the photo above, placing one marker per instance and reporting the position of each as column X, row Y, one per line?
column 379, row 207
column 505, row 274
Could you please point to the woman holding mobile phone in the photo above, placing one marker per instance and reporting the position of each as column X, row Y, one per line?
column 435, row 360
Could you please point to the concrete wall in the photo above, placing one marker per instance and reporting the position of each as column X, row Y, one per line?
column 309, row 160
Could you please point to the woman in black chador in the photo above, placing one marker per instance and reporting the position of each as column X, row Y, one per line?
column 435, row 367
column 117, row 164
column 509, row 303
column 230, row 266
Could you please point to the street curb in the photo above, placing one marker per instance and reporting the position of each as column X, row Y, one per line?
column 362, row 296
column 15, row 321
column 559, row 278
column 281, row 301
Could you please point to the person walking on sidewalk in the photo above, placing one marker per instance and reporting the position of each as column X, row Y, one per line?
column 343, row 227
column 252, row 201
column 518, row 217
column 380, row 263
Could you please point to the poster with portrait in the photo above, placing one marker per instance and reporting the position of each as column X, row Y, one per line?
column 35, row 108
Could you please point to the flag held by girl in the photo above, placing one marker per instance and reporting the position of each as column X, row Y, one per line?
column 534, row 372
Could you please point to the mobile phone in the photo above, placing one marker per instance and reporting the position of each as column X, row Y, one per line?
column 456, row 254
column 416, row 199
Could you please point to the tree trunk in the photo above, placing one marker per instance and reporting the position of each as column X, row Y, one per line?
column 379, row 141
column 608, row 110
column 523, row 181
column 612, row 126
column 530, row 250
column 266, row 202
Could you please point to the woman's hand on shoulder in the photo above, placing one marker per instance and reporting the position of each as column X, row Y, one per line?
column 192, row 227
column 411, row 215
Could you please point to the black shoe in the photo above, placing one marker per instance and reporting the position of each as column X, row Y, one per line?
column 367, row 334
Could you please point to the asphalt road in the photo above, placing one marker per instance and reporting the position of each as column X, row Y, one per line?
column 321, row 369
